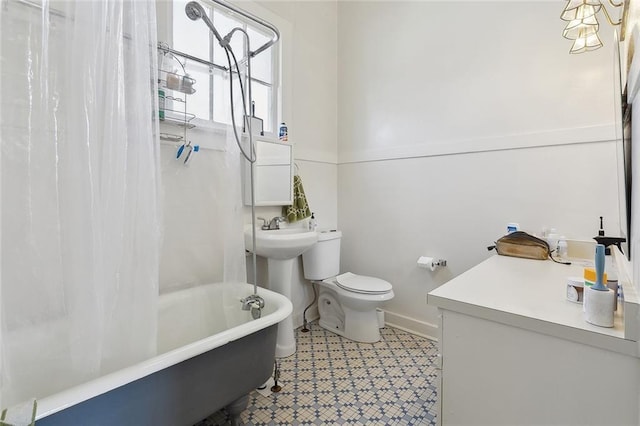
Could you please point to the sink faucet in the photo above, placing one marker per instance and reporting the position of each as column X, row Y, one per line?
column 273, row 224
column 265, row 223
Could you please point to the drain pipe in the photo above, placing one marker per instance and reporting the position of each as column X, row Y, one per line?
column 254, row 262
column 252, row 163
column 304, row 313
column 254, row 302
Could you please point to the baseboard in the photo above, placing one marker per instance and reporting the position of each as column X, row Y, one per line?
column 411, row 325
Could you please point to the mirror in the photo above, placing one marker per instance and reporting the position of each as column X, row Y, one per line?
column 273, row 174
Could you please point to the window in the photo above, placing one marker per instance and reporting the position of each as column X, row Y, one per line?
column 211, row 100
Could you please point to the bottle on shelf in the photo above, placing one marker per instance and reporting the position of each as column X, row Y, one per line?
column 283, row 133
column 161, row 99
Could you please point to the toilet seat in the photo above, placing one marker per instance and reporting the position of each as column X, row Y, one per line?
column 362, row 284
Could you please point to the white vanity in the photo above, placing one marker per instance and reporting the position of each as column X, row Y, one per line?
column 515, row 351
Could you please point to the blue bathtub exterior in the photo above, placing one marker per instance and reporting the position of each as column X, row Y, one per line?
column 184, row 393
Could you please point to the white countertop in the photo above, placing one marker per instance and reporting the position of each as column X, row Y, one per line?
column 529, row 294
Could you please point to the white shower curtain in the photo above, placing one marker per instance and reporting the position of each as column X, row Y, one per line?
column 203, row 214
column 80, row 176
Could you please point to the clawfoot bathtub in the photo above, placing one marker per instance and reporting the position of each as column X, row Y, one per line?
column 211, row 354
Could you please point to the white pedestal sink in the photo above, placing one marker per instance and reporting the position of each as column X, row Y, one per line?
column 281, row 247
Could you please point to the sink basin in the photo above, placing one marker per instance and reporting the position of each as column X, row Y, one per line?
column 282, row 244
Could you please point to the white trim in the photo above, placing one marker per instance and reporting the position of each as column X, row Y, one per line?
column 411, row 325
column 418, row 148
column 283, row 95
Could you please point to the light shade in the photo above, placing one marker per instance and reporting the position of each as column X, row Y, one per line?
column 586, row 42
column 580, row 9
column 581, row 27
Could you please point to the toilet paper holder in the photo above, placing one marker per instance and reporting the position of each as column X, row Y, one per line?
column 430, row 262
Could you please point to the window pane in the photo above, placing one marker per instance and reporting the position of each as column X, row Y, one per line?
column 221, row 98
column 260, row 64
column 199, row 102
column 221, row 102
column 211, row 99
column 224, row 24
column 262, row 96
column 189, row 36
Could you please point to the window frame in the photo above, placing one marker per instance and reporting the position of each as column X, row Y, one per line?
column 275, row 65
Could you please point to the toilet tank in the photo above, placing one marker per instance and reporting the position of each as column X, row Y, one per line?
column 322, row 261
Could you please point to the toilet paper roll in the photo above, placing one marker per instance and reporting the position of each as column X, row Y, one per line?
column 427, row 263
column 599, row 309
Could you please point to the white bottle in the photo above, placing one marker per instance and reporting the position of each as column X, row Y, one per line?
column 313, row 225
column 563, row 249
column 283, row 133
column 552, row 239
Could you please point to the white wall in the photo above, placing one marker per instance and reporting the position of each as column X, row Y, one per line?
column 307, row 104
column 313, row 114
column 419, row 137
column 311, row 117
column 418, row 75
column 437, row 104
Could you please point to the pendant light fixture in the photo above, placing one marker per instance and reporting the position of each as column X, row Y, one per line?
column 583, row 25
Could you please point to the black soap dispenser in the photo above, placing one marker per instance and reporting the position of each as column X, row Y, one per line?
column 607, row 241
column 313, row 225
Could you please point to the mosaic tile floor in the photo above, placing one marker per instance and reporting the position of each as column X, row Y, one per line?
column 331, row 380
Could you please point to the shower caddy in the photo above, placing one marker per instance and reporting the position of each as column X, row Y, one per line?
column 177, row 83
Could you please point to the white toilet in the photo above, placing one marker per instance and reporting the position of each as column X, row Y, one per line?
column 347, row 302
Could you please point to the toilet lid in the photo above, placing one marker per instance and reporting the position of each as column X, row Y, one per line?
column 362, row 284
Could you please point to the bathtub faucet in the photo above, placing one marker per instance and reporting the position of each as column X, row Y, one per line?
column 255, row 303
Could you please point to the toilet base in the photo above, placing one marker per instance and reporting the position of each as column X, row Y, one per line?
column 359, row 326
column 362, row 326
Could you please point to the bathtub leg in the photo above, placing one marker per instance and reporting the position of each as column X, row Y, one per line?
column 236, row 408
column 276, row 375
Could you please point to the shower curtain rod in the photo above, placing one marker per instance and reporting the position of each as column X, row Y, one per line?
column 232, row 8
column 164, row 47
column 251, row 17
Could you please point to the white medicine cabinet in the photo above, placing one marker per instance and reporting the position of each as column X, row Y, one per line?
column 273, row 174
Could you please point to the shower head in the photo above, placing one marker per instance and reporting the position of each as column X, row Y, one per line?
column 195, row 11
